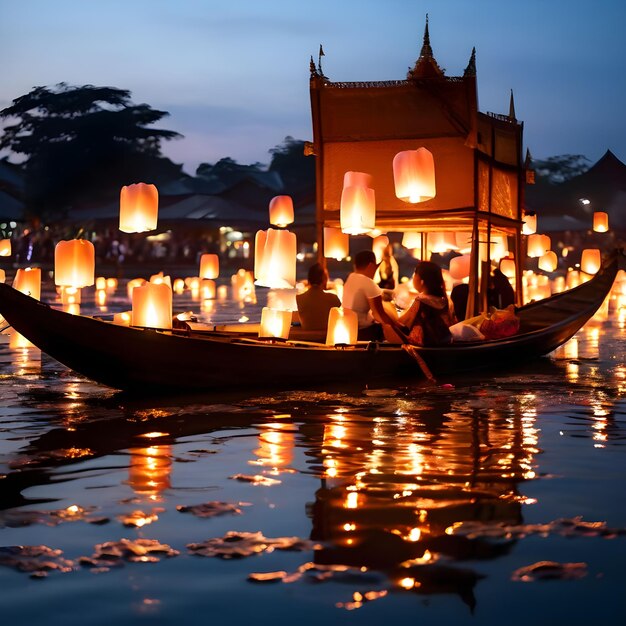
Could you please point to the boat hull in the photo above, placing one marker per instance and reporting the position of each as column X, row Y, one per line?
column 147, row 360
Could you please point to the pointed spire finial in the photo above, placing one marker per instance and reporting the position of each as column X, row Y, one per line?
column 319, row 61
column 470, row 70
column 427, row 51
column 512, row 107
column 312, row 67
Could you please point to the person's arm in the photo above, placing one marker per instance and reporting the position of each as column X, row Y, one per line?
column 381, row 316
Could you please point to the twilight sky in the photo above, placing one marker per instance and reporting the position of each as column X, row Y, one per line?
column 234, row 75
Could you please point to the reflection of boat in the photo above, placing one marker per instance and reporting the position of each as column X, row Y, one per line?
column 137, row 359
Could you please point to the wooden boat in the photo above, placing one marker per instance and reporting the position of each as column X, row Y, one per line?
column 136, row 359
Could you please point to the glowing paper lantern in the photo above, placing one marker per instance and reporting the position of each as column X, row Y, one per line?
column 28, row 281
column 357, row 179
column 5, row 247
column 178, row 286
column 499, row 246
column 358, row 210
column 161, row 278
column 209, row 266
column 275, row 258
column 548, row 262
column 139, row 205
column 152, row 306
column 414, row 175
column 111, row 284
column 590, row 261
column 343, row 327
column 101, row 282
column 282, row 299
column 275, row 323
column 378, row 246
column 441, row 242
column 600, row 222
column 530, row 225
column 538, row 245
column 460, row 267
column 281, row 212
column 336, row 244
column 70, row 295
column 74, row 263
column 412, row 240
column 3, row 276
column 507, row 267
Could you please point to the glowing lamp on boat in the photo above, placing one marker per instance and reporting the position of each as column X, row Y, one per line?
column 275, row 258
column 358, row 204
column 537, row 245
column 5, row 247
column 590, row 261
column 209, row 266
column 378, row 246
column 123, row 319
column 275, row 323
column 74, row 263
column 414, row 175
column 600, row 222
column 336, row 244
column 548, row 261
column 139, row 206
column 28, row 281
column 343, row 327
column 530, row 224
column 152, row 306
column 281, row 211
column 460, row 267
column 507, row 267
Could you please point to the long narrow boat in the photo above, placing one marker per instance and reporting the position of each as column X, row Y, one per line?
column 136, row 359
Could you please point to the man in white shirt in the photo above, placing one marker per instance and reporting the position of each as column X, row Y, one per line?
column 365, row 298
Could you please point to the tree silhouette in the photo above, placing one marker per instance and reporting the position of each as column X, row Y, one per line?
column 296, row 170
column 81, row 144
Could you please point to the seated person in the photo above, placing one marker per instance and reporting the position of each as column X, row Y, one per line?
column 459, row 296
column 388, row 273
column 315, row 303
column 500, row 293
column 365, row 298
column 428, row 319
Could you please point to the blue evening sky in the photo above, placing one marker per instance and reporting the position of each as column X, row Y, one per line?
column 234, row 75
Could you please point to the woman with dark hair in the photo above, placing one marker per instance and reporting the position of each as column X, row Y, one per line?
column 427, row 320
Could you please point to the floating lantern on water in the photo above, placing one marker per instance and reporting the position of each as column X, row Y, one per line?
column 378, row 246
column 222, row 292
column 243, row 286
column 282, row 299
column 139, row 206
column 275, row 323
column 28, row 281
column 74, row 263
column 111, row 285
column 207, row 289
column 530, row 224
column 160, row 278
column 600, row 222
column 538, row 245
column 548, row 262
column 3, row 276
column 178, row 286
column 275, row 258
column 358, row 204
column 123, row 319
column 590, row 261
column 209, row 266
column 101, row 282
column 152, row 306
column 414, row 175
column 336, row 244
column 70, row 295
column 5, row 247
column 343, row 327
column 460, row 267
column 281, row 211
column 134, row 282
